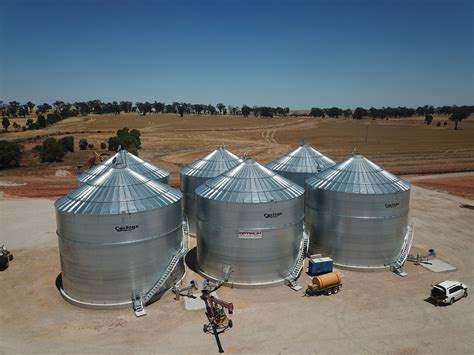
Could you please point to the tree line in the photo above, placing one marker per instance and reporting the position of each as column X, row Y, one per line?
column 456, row 113
column 49, row 114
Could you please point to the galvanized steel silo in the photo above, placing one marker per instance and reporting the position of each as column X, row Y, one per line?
column 250, row 219
column 117, row 235
column 300, row 164
column 135, row 163
column 357, row 213
column 198, row 172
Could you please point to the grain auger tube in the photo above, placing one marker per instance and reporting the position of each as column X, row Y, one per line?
column 217, row 312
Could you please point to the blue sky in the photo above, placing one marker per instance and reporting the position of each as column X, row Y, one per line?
column 299, row 54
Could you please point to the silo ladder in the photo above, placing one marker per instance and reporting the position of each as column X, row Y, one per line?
column 172, row 265
column 396, row 266
column 291, row 279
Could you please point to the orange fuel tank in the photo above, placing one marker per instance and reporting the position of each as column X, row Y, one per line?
column 326, row 280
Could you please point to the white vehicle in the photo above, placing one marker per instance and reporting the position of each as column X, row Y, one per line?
column 448, row 291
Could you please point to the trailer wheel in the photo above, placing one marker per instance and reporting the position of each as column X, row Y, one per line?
column 230, row 323
column 329, row 292
column 336, row 290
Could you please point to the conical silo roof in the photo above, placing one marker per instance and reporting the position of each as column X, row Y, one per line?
column 304, row 159
column 132, row 161
column 249, row 182
column 213, row 164
column 118, row 190
column 358, row 175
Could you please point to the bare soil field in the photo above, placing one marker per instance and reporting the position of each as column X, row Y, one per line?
column 376, row 313
column 403, row 146
column 460, row 186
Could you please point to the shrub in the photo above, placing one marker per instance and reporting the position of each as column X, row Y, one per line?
column 68, row 143
column 103, row 145
column 428, row 119
column 41, row 122
column 90, row 146
column 10, row 154
column 83, row 144
column 52, row 150
column 52, row 118
column 438, row 124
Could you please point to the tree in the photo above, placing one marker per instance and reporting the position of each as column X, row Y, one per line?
column 129, row 140
column 10, row 154
column 181, row 109
column 211, row 110
column 428, row 119
column 68, row 143
column 5, row 123
column 458, row 115
column 41, row 121
column 52, row 118
column 144, row 107
column 83, row 144
column 170, row 108
column 58, row 105
column 52, row 150
column 126, row 106
column 13, row 108
column 246, row 111
column 347, row 113
column 43, row 108
column 334, row 112
column 221, row 107
column 30, row 106
column 265, row 111
column 316, row 112
column 359, row 113
column 198, row 108
column 159, row 107
column 82, row 107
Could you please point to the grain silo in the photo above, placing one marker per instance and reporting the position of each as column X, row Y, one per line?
column 300, row 164
column 119, row 233
column 197, row 173
column 135, row 163
column 249, row 219
column 357, row 213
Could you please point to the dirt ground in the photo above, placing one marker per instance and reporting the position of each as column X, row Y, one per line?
column 376, row 313
column 402, row 146
column 460, row 186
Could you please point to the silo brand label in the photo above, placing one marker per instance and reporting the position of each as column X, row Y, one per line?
column 126, row 228
column 250, row 234
column 272, row 215
column 391, row 205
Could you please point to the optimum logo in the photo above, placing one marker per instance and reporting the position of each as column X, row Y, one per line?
column 391, row 205
column 125, row 228
column 272, row 215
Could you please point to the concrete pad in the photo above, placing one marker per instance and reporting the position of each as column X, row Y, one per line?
column 437, row 265
column 196, row 304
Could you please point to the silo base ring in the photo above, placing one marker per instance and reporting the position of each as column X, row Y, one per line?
column 241, row 284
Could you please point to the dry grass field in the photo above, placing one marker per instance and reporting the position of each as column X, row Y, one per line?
column 403, row 146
